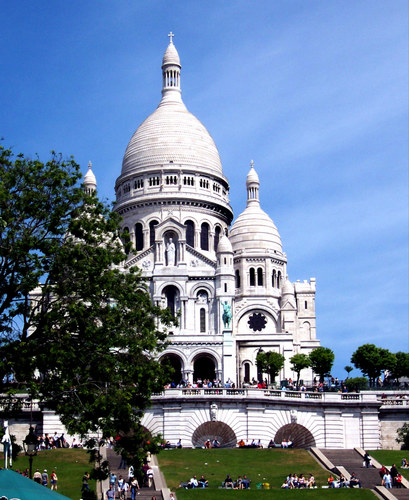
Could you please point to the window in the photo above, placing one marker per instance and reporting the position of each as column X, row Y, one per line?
column 202, row 320
column 225, row 288
column 190, row 233
column 217, row 232
column 204, row 236
column 238, row 284
column 278, row 279
column 246, row 372
column 138, row 236
column 274, row 277
column 252, row 277
column 305, row 305
column 152, row 225
column 260, row 276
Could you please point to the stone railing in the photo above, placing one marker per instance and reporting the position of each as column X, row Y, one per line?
column 22, row 401
column 270, row 394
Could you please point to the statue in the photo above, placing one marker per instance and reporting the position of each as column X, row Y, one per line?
column 171, row 252
column 213, row 412
column 226, row 314
column 6, row 440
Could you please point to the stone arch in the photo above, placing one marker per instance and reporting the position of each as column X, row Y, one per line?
column 202, row 286
column 176, row 364
column 214, row 430
column 204, row 366
column 298, row 434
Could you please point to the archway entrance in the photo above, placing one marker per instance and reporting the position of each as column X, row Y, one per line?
column 298, row 434
column 214, row 430
column 174, row 365
column 204, row 368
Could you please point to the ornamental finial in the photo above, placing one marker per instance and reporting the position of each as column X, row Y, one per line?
column 171, row 35
column 251, row 163
column 89, row 164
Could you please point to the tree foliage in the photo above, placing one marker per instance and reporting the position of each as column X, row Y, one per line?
column 322, row 359
column 402, row 365
column 89, row 329
column 299, row 362
column 270, row 362
column 36, row 201
column 348, row 369
column 373, row 360
column 403, row 436
column 356, row 384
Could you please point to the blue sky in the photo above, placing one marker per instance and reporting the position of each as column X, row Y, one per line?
column 315, row 92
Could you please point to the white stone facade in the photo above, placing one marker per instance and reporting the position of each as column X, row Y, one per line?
column 174, row 201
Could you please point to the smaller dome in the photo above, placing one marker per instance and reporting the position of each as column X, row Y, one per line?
column 252, row 176
column 224, row 245
column 171, row 55
column 254, row 229
column 90, row 180
column 288, row 288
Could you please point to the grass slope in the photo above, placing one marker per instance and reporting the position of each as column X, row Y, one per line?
column 261, row 466
column 69, row 464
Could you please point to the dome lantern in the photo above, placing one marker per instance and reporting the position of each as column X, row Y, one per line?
column 171, row 71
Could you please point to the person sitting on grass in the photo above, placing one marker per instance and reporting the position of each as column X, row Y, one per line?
column 331, row 481
column 354, row 481
column 311, row 481
column 405, row 464
column 343, row 483
column 203, row 482
column 302, row 483
column 228, row 482
column 246, row 482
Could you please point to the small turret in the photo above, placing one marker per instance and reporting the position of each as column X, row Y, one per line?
column 90, row 181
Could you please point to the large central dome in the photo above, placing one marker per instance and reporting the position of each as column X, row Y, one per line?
column 171, row 134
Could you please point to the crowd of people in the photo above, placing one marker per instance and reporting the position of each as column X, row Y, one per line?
column 120, row 487
column 47, row 442
column 294, row 481
column 241, row 483
column 391, row 478
column 202, row 384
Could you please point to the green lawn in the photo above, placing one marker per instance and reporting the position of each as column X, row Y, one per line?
column 69, row 464
column 261, row 466
column 389, row 457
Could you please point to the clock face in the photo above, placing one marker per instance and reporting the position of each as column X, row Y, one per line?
column 257, row 322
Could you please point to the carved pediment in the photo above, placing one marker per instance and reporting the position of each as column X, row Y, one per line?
column 195, row 258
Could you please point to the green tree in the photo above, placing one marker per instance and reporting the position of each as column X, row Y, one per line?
column 403, row 437
column 270, row 362
column 299, row 362
column 322, row 359
column 36, row 200
column 356, row 384
column 348, row 369
column 90, row 328
column 402, row 365
column 372, row 361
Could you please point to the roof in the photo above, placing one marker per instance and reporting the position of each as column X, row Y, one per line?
column 16, row 486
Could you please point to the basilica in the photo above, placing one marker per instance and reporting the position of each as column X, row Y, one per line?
column 227, row 283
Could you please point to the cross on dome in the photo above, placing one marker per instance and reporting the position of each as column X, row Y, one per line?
column 171, row 35
column 252, row 164
column 89, row 164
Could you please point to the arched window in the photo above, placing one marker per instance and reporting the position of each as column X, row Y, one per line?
column 204, row 236
column 202, row 320
column 190, row 232
column 138, row 236
column 247, row 372
column 238, row 284
column 152, row 225
column 260, row 276
column 278, row 279
column 273, row 279
column 171, row 293
column 217, row 232
column 252, row 277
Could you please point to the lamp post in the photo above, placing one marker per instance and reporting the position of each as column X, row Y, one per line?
column 30, row 448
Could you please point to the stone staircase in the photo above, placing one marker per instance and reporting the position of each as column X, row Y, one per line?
column 145, row 493
column 352, row 461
